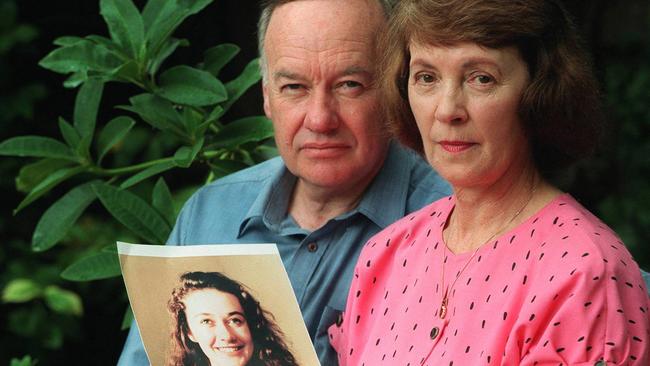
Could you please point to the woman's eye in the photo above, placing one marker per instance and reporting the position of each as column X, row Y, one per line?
column 483, row 79
column 206, row 321
column 425, row 78
column 237, row 321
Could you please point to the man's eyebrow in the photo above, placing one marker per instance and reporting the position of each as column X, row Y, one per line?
column 284, row 74
column 354, row 70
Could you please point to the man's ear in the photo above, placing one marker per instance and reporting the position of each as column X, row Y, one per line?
column 267, row 107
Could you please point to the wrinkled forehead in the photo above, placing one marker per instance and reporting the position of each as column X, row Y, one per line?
column 318, row 25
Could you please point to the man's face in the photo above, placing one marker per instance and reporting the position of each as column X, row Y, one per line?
column 321, row 94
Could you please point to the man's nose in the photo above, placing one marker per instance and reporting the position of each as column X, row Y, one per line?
column 321, row 115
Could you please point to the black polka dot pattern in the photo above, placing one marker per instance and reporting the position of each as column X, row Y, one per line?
column 560, row 289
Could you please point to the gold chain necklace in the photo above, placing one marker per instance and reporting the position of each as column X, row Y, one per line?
column 445, row 298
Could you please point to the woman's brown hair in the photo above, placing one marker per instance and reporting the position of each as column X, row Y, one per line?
column 560, row 108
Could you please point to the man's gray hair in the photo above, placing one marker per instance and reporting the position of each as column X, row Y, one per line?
column 269, row 6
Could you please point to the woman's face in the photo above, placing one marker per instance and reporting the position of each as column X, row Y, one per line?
column 465, row 100
column 216, row 321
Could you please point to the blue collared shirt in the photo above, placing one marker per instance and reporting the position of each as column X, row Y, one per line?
column 251, row 207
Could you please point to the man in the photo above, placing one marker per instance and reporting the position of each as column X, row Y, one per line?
column 339, row 180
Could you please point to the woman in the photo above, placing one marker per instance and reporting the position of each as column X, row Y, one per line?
column 218, row 322
column 508, row 270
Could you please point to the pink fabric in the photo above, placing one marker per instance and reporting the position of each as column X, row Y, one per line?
column 560, row 289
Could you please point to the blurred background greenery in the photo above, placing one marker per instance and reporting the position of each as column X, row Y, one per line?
column 69, row 323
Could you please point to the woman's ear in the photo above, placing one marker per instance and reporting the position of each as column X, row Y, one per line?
column 191, row 336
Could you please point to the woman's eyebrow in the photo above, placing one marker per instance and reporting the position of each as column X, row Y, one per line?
column 421, row 62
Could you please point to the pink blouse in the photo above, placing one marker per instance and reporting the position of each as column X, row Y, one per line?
column 559, row 289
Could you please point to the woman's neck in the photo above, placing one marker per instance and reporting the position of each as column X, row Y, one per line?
column 483, row 213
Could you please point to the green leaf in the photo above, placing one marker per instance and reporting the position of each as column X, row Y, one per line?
column 215, row 114
column 85, row 110
column 111, row 248
column 70, row 135
column 237, row 87
column 264, row 152
column 125, row 25
column 21, row 290
column 218, row 56
column 61, row 216
column 243, row 130
column 190, row 86
column 185, row 155
column 156, row 111
column 32, row 174
column 134, row 213
column 47, row 184
column 192, row 120
column 109, row 45
column 25, row 361
column 165, row 51
column 67, row 41
column 147, row 173
column 162, row 17
column 63, row 301
column 161, row 200
column 94, row 267
column 75, row 79
column 221, row 168
column 129, row 72
column 127, row 320
column 36, row 146
column 112, row 134
column 81, row 57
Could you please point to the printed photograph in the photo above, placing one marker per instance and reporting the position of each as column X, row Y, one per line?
column 229, row 305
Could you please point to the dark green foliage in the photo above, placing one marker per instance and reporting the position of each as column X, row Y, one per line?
column 145, row 131
column 107, row 160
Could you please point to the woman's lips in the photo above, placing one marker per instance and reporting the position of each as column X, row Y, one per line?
column 229, row 349
column 456, row 146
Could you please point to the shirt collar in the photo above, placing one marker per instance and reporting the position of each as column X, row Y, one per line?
column 384, row 202
column 272, row 202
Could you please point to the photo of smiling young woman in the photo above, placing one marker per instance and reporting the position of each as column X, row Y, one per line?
column 216, row 321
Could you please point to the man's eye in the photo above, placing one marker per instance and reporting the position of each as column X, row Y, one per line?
column 351, row 84
column 291, row 87
column 483, row 79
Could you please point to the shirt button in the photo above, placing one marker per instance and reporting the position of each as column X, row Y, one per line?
column 434, row 332
column 312, row 247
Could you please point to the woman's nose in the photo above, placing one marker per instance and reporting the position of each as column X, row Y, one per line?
column 223, row 333
column 451, row 105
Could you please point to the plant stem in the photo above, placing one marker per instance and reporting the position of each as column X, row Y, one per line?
column 129, row 169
